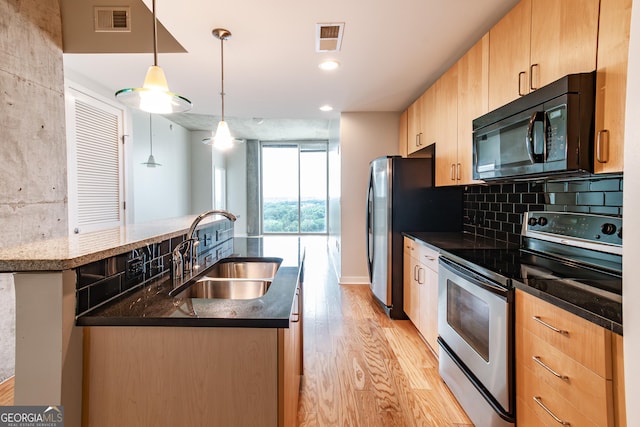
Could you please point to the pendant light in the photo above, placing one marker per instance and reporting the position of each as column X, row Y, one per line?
column 154, row 96
column 222, row 139
column 151, row 161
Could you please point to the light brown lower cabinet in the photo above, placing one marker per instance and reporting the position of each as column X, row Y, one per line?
column 565, row 372
column 420, row 270
column 192, row 376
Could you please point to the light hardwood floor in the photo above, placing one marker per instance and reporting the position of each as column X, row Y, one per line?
column 6, row 392
column 360, row 367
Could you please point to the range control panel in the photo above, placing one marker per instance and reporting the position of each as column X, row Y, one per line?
column 597, row 229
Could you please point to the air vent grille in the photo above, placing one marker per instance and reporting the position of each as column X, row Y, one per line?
column 112, row 19
column 329, row 37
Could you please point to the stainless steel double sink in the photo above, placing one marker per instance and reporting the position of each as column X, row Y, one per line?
column 236, row 278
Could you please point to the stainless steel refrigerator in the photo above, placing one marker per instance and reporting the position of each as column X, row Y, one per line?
column 402, row 198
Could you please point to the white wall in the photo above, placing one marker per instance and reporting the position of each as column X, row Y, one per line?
column 363, row 137
column 631, row 248
column 236, row 161
column 201, row 167
column 334, row 209
column 163, row 191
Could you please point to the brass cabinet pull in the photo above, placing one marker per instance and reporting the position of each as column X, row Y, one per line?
column 545, row 366
column 602, row 146
column 548, row 411
column 553, row 328
column 531, row 68
column 520, row 74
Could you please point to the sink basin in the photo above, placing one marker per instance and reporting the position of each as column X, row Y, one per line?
column 245, row 268
column 236, row 278
column 228, row 288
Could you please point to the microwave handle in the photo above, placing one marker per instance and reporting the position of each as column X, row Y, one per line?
column 538, row 116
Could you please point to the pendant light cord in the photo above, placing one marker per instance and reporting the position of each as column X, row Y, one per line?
column 222, row 72
column 150, row 136
column 155, row 33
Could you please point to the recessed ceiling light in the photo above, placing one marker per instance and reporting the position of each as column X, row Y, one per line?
column 326, row 108
column 329, row 65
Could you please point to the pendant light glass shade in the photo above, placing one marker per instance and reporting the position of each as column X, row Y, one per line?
column 154, row 96
column 151, row 161
column 222, row 139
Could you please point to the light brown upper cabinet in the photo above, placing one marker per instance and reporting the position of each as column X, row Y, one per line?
column 442, row 126
column 473, row 86
column 538, row 42
column 402, row 134
column 415, row 126
column 611, row 85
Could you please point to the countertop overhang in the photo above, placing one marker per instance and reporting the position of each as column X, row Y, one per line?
column 68, row 252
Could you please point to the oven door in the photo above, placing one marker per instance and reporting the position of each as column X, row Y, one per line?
column 475, row 324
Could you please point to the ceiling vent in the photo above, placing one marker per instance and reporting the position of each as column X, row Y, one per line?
column 112, row 19
column 329, row 37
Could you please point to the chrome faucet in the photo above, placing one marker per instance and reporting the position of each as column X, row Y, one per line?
column 185, row 254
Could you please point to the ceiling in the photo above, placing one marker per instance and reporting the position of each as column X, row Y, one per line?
column 391, row 52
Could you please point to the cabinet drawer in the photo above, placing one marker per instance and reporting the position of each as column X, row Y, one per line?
column 583, row 341
column 527, row 417
column 428, row 257
column 587, row 392
column 530, row 388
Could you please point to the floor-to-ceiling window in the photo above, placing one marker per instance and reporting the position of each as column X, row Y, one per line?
column 294, row 187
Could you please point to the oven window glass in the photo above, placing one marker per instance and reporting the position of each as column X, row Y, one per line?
column 469, row 315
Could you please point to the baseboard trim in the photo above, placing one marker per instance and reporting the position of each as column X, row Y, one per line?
column 354, row 280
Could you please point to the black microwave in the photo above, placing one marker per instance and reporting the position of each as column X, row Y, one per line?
column 547, row 132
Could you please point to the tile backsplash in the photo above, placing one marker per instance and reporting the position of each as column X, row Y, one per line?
column 105, row 280
column 496, row 210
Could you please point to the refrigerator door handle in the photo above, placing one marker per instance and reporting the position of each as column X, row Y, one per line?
column 370, row 246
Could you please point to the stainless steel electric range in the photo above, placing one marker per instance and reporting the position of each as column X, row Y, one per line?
column 573, row 260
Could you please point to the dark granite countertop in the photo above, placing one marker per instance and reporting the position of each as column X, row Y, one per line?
column 454, row 240
column 152, row 306
column 592, row 306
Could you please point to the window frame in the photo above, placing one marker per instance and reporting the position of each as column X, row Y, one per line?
column 300, row 148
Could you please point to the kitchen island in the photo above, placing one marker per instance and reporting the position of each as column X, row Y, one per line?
column 49, row 343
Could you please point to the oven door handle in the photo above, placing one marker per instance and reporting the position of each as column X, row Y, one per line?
column 475, row 279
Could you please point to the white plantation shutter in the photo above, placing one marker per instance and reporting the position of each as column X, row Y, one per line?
column 95, row 163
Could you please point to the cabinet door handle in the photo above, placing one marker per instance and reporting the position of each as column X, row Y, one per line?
column 458, row 171
column 548, row 411
column 520, row 75
column 553, row 328
column 602, row 146
column 545, row 366
column 420, row 270
column 415, row 273
column 297, row 312
column 531, row 68
column 452, row 172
